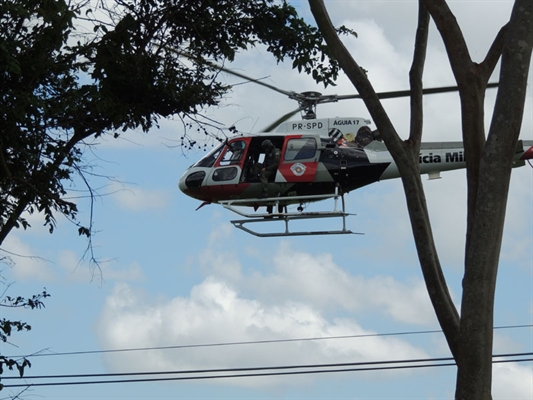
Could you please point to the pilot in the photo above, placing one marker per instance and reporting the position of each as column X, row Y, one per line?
column 270, row 165
column 237, row 148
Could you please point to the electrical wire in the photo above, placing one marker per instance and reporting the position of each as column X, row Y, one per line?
column 264, row 371
column 270, row 341
column 252, row 371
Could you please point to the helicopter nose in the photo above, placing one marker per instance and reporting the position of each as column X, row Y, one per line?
column 181, row 183
column 191, row 180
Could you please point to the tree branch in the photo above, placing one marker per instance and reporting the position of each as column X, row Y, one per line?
column 453, row 39
column 415, row 78
column 406, row 158
column 495, row 52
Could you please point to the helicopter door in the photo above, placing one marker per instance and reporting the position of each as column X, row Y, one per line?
column 228, row 168
column 300, row 159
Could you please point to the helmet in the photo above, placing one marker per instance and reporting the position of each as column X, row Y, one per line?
column 364, row 136
column 237, row 145
column 335, row 135
column 267, row 145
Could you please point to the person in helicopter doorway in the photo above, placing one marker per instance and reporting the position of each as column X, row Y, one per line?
column 270, row 165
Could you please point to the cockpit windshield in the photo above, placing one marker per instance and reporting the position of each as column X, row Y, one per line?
column 209, row 160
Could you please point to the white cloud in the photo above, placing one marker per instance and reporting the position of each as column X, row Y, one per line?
column 316, row 278
column 303, row 296
column 371, row 48
column 293, row 275
column 138, row 199
column 512, row 381
column 216, row 313
column 28, row 266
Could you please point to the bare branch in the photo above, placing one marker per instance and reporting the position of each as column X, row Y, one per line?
column 415, row 78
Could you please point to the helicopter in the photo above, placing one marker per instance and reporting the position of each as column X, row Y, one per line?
column 320, row 158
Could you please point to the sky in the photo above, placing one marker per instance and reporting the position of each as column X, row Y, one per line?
column 179, row 290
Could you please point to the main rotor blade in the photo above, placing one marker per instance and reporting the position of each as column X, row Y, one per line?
column 399, row 93
column 258, row 81
column 280, row 120
column 232, row 72
column 407, row 93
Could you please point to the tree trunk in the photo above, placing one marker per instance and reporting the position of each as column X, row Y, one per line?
column 474, row 375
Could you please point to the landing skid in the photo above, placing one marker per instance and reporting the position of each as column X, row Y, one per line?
column 287, row 217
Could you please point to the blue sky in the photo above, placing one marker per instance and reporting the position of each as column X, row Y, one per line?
column 173, row 276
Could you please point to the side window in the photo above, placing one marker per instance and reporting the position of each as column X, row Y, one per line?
column 225, row 174
column 233, row 153
column 300, row 149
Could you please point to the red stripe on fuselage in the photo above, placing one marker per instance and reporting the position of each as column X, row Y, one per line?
column 214, row 193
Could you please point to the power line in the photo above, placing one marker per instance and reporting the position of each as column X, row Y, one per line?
column 241, row 369
column 264, row 371
column 269, row 341
column 248, row 369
